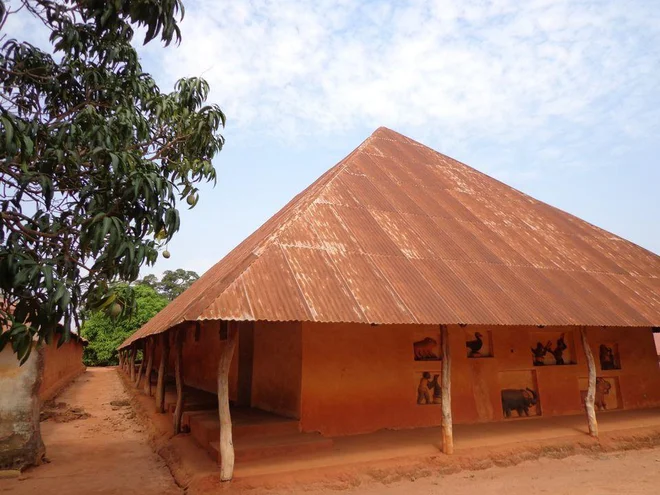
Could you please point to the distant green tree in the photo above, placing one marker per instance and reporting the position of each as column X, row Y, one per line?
column 105, row 333
column 172, row 284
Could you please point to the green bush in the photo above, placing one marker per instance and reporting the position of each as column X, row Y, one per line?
column 105, row 333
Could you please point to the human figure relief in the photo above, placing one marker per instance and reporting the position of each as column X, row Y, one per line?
column 437, row 389
column 558, row 351
column 424, row 389
column 607, row 361
column 540, row 351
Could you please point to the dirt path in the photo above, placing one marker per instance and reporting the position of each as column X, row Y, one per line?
column 103, row 454
column 96, row 446
column 634, row 472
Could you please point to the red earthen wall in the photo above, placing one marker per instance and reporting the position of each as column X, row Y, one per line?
column 60, row 367
column 361, row 378
column 201, row 352
column 277, row 368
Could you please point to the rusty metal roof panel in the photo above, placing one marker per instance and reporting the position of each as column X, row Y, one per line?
column 322, row 287
column 527, row 299
column 438, row 241
column 414, row 291
column 375, row 296
column 370, row 236
column 330, row 229
column 406, row 239
column 496, row 244
column 272, row 289
column 476, row 249
column 610, row 303
column 424, row 197
column 300, row 233
column 570, row 311
column 361, row 187
column 397, row 232
column 448, row 201
column 232, row 304
column 455, row 293
column 368, row 166
column 504, row 307
column 634, row 291
column 591, row 303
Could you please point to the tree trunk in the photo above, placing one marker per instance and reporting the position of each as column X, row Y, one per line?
column 589, row 401
column 178, row 374
column 140, row 369
column 447, row 423
column 162, row 369
column 132, row 363
column 150, row 364
column 226, row 444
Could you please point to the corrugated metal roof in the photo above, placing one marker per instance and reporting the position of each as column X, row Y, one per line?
column 398, row 233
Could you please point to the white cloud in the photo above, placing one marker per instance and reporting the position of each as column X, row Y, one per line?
column 501, row 69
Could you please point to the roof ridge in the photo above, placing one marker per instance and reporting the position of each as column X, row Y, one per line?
column 320, row 184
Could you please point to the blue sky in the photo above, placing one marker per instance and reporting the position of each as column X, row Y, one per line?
column 560, row 99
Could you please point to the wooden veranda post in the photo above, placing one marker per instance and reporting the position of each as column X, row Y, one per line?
column 140, row 368
column 226, row 448
column 178, row 375
column 132, row 361
column 162, row 369
column 151, row 346
column 590, row 399
column 447, row 424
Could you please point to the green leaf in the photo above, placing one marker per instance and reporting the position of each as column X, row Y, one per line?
column 9, row 131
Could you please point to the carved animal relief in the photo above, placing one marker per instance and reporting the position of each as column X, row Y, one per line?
column 427, row 348
column 519, row 393
column 479, row 344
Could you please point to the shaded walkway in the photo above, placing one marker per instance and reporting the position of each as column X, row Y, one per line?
column 472, row 440
column 106, row 453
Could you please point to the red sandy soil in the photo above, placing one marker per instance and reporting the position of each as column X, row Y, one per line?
column 106, row 453
column 111, row 452
column 632, row 472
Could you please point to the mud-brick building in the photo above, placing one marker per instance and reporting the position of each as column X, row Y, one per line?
column 341, row 300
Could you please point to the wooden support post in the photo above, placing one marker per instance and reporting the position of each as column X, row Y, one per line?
column 132, row 363
column 162, row 369
column 151, row 346
column 590, row 399
column 447, row 423
column 226, row 449
column 141, row 367
column 120, row 356
column 178, row 374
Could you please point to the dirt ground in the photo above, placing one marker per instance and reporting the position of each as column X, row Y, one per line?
column 635, row 472
column 95, row 445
